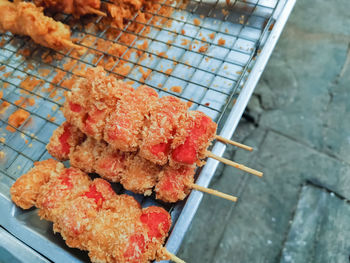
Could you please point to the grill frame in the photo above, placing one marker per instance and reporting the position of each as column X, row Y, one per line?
column 183, row 212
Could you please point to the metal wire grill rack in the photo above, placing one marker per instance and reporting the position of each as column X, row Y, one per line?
column 207, row 48
column 203, row 76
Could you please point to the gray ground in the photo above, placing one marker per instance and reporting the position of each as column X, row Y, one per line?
column 299, row 210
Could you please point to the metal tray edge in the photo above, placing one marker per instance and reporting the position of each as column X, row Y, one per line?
column 195, row 197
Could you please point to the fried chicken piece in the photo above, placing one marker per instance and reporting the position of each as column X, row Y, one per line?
column 75, row 104
column 24, row 18
column 92, row 99
column 65, row 139
column 25, row 191
column 192, row 138
column 75, row 7
column 85, row 155
column 140, row 175
column 160, row 127
column 124, row 125
column 110, row 164
column 123, row 10
column 174, row 183
column 91, row 216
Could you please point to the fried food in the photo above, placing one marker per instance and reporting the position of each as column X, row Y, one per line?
column 161, row 129
column 136, row 174
column 130, row 169
column 67, row 137
column 91, row 216
column 192, row 139
column 174, row 183
column 75, row 7
column 92, row 100
column 24, row 18
column 121, row 10
column 124, row 124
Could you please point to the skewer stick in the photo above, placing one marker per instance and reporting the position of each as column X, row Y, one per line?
column 173, row 257
column 69, row 43
column 95, row 11
column 214, row 192
column 234, row 164
column 240, row 145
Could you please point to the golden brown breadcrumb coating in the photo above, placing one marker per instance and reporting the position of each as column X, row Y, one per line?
column 92, row 99
column 130, row 169
column 67, row 137
column 174, row 184
column 25, row 18
column 124, row 124
column 161, row 129
column 91, row 216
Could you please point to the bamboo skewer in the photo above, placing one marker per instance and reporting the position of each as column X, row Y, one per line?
column 95, row 11
column 214, row 192
column 71, row 44
column 234, row 164
column 172, row 256
column 240, row 145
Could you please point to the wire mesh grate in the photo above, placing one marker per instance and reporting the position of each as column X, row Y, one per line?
column 201, row 52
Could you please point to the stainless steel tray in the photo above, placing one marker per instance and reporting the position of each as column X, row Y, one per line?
column 219, row 82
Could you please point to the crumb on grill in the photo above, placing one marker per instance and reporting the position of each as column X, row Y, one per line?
column 16, row 119
column 221, row 42
column 4, row 106
column 177, row 89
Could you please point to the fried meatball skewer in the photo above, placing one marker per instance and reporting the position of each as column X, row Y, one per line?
column 134, row 172
column 91, row 216
column 140, row 120
column 162, row 129
column 131, row 170
column 24, row 18
column 87, row 107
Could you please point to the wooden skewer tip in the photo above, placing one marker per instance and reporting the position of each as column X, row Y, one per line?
column 234, row 164
column 173, row 257
column 96, row 11
column 237, row 144
column 214, row 192
column 70, row 44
